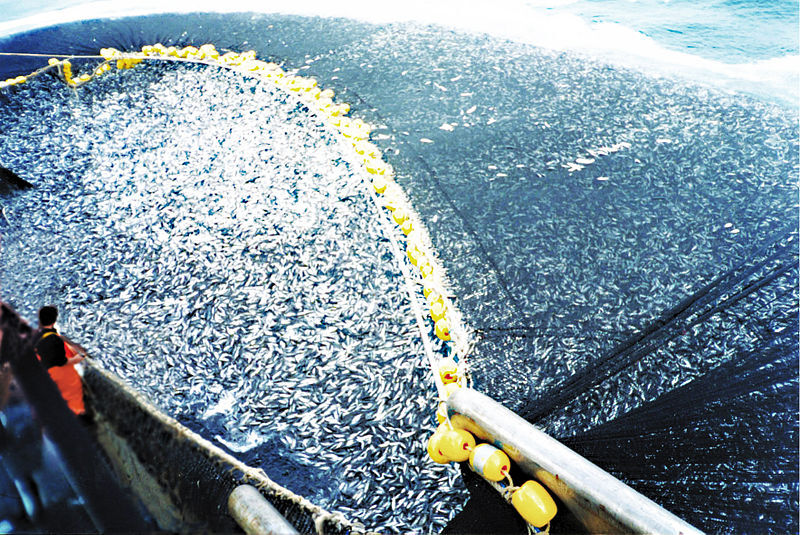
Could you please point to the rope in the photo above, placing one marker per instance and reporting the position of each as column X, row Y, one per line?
column 32, row 55
column 426, row 343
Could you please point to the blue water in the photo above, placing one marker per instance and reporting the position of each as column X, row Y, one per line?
column 731, row 31
column 748, row 46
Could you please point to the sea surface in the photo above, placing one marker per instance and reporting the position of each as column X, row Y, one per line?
column 739, row 45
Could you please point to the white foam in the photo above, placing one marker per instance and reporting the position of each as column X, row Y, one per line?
column 243, row 444
column 532, row 22
column 223, row 406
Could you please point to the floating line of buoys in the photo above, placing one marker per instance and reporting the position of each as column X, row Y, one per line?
column 445, row 321
column 450, row 371
column 454, row 441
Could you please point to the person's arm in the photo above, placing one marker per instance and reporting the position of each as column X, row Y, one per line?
column 73, row 352
column 76, row 359
column 76, row 347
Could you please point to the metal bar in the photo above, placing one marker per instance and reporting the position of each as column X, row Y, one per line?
column 255, row 515
column 601, row 502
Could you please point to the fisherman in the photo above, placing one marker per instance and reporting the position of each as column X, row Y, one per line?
column 59, row 357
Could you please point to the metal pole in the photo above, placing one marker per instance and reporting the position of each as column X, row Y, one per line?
column 601, row 502
column 255, row 515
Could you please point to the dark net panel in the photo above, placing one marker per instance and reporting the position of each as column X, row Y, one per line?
column 199, row 484
column 720, row 448
column 717, row 451
column 761, row 282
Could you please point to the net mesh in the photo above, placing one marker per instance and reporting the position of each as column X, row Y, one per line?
column 199, row 476
column 718, row 442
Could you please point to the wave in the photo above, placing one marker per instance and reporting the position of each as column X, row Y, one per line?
column 534, row 22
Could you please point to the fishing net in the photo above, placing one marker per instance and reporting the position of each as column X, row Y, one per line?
column 617, row 242
column 719, row 447
column 199, row 476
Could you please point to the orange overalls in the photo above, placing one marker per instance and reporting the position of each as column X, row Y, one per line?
column 68, row 381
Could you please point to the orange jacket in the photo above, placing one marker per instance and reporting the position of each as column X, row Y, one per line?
column 68, row 381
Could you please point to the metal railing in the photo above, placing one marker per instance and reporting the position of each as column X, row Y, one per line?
column 601, row 502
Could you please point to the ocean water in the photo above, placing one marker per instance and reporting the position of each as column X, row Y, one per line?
column 739, row 45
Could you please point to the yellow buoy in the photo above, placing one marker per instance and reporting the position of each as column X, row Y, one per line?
column 375, row 166
column 434, row 452
column 188, row 52
column 427, row 288
column 534, row 504
column 442, row 330
column 379, row 183
column 230, row 58
column 355, row 130
column 413, row 255
column 365, row 148
column 407, row 226
column 339, row 109
column 423, row 257
column 66, row 68
column 425, row 269
column 433, row 297
column 110, row 53
column 456, row 444
column 438, row 310
column 399, row 215
column 208, row 51
column 448, row 370
column 489, row 462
